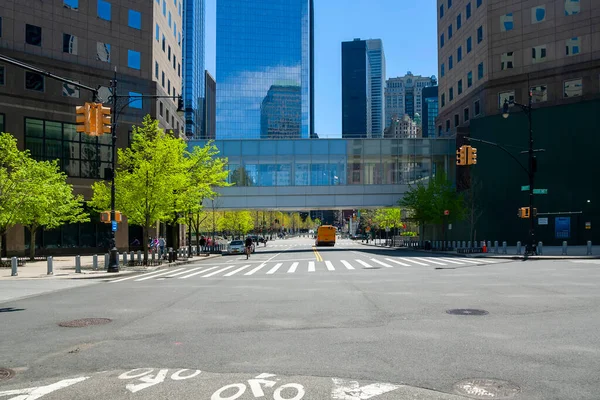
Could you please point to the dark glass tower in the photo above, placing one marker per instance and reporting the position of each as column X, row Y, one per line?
column 193, row 68
column 264, row 48
column 355, row 89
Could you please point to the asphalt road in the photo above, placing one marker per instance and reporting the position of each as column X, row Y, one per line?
column 349, row 322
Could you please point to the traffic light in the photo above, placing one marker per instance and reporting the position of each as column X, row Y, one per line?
column 103, row 120
column 461, row 156
column 471, row 156
column 523, row 212
column 83, row 117
column 180, row 103
column 105, row 217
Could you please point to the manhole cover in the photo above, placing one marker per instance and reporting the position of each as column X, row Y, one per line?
column 6, row 374
column 467, row 311
column 487, row 389
column 80, row 323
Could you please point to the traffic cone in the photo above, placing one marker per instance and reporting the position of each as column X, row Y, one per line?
column 484, row 246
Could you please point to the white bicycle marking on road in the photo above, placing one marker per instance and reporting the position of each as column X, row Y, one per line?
column 148, row 380
column 351, row 390
column 34, row 393
column 256, row 387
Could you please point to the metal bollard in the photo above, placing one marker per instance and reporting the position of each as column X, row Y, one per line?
column 469, row 244
column 50, row 266
column 77, row 264
column 519, row 247
column 589, row 247
column 454, row 244
column 14, row 263
column 463, row 245
column 564, row 248
column 132, row 257
column 489, row 245
column 106, row 261
column 95, row 262
column 124, row 258
column 540, row 248
column 504, row 249
column 496, row 249
column 153, row 256
column 139, row 257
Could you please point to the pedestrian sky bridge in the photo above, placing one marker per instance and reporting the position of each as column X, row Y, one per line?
column 312, row 174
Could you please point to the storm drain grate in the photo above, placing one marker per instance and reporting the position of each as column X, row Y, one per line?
column 6, row 374
column 467, row 311
column 80, row 323
column 487, row 389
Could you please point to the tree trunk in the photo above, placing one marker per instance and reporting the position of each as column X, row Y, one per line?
column 32, row 231
column 145, row 230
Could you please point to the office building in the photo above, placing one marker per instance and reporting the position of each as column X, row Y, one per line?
column 429, row 97
column 363, row 87
column 402, row 128
column 262, row 45
column 403, row 95
column 281, row 113
column 210, row 106
column 85, row 41
column 193, row 67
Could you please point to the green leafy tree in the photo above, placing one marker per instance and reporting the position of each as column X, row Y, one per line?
column 388, row 218
column 237, row 221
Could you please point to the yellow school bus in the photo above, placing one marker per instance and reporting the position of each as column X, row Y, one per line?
column 326, row 236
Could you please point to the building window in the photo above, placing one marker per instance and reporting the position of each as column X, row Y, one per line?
column 156, row 69
column 167, row 112
column 449, row 4
column 174, row 61
column 104, row 9
column 69, row 44
column 169, row 53
column 458, row 22
column 507, row 60
column 179, row 38
column 468, row 10
column 573, row 88
column 72, row 4
column 469, row 44
column 157, row 32
column 479, row 34
column 135, row 19
column 34, row 81
column 178, row 69
column 477, row 108
column 506, row 96
column 33, row 35
column 169, row 19
column 470, row 79
column 163, row 79
column 2, row 75
column 447, row 125
column 103, row 52
column 451, row 94
column 539, row 94
column 179, row 9
column 479, row 3
column 441, row 11
column 164, row 43
column 135, row 100
column 439, row 130
column 572, row 7
column 442, row 70
column 164, row 8
column 450, row 32
column 441, row 40
column 169, row 86
column 133, row 59
column 506, row 22
column 450, row 63
column 459, row 54
column 456, row 120
column 460, row 87
column 443, row 99
column 538, row 14
column 161, row 108
column 70, row 90
column 175, row 29
column 538, row 53
column 466, row 114
column 573, row 46
column 480, row 71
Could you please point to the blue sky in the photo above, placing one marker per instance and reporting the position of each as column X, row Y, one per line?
column 407, row 27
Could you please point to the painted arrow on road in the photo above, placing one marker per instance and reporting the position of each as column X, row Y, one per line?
column 34, row 393
column 351, row 390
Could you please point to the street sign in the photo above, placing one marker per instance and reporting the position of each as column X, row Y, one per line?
column 446, row 212
column 540, row 191
column 542, row 221
column 114, row 226
column 524, row 188
column 588, row 225
column 449, row 227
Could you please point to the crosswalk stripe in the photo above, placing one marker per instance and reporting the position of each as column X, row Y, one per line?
column 329, row 266
column 311, row 266
column 364, row 263
column 432, row 260
column 197, row 273
column 452, row 261
column 486, row 260
column 397, row 262
column 381, row 263
column 136, row 276
column 184, row 272
column 468, row 261
column 347, row 264
column 413, row 261
column 251, row 272
column 154, row 276
column 293, row 268
column 274, row 269
column 238, row 270
column 218, row 271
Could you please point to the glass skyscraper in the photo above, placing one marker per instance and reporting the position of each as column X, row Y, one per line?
column 193, row 68
column 264, row 69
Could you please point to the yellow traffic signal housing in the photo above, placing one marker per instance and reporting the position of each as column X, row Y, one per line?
column 83, row 118
column 461, row 155
column 105, row 217
column 472, row 156
column 103, row 120
column 523, row 212
column 118, row 216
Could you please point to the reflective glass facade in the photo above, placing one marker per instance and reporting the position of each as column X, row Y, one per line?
column 264, row 64
column 193, row 67
column 430, row 110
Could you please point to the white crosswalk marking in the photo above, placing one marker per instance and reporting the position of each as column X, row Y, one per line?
column 218, row 271
column 184, row 272
column 238, row 270
column 347, row 264
column 364, row 263
column 274, row 269
column 413, row 261
column 155, row 275
column 468, row 261
column 432, row 260
column 452, row 261
column 311, row 266
column 329, row 266
column 197, row 273
column 135, row 276
column 487, row 260
column 381, row 263
column 397, row 262
column 251, row 272
column 293, row 268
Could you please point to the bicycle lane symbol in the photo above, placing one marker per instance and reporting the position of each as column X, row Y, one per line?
column 236, row 390
column 147, row 379
column 34, row 393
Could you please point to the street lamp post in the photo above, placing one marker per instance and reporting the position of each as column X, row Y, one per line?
column 190, row 234
column 113, row 264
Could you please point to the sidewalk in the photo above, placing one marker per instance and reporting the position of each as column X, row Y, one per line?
column 64, row 268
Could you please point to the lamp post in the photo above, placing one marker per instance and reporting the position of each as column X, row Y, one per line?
column 531, row 246
column 190, row 234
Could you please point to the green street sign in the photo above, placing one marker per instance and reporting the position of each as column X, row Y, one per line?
column 524, row 188
column 540, row 191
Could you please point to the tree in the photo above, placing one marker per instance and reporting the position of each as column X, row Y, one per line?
column 237, row 221
column 388, row 218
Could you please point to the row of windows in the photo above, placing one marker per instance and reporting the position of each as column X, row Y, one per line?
column 164, row 6
column 539, row 53
column 469, row 83
column 466, row 117
column 467, row 8
column 538, row 14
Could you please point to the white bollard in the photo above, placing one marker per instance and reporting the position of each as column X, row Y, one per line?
column 564, row 248
column 124, row 258
column 14, row 263
column 139, row 257
column 132, row 257
column 519, row 247
column 589, row 247
column 504, row 247
column 496, row 249
column 77, row 264
column 95, row 262
column 469, row 244
column 463, row 245
column 50, row 266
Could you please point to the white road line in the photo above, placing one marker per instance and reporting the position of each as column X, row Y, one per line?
column 137, row 276
column 347, row 264
column 311, row 266
column 452, row 261
column 413, row 261
column 184, row 272
column 432, row 260
column 154, row 276
column 293, row 268
column 364, row 263
column 329, row 266
column 469, row 261
column 218, row 271
column 197, row 273
column 238, row 270
column 382, row 263
column 486, row 260
column 397, row 262
column 274, row 269
column 251, row 272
